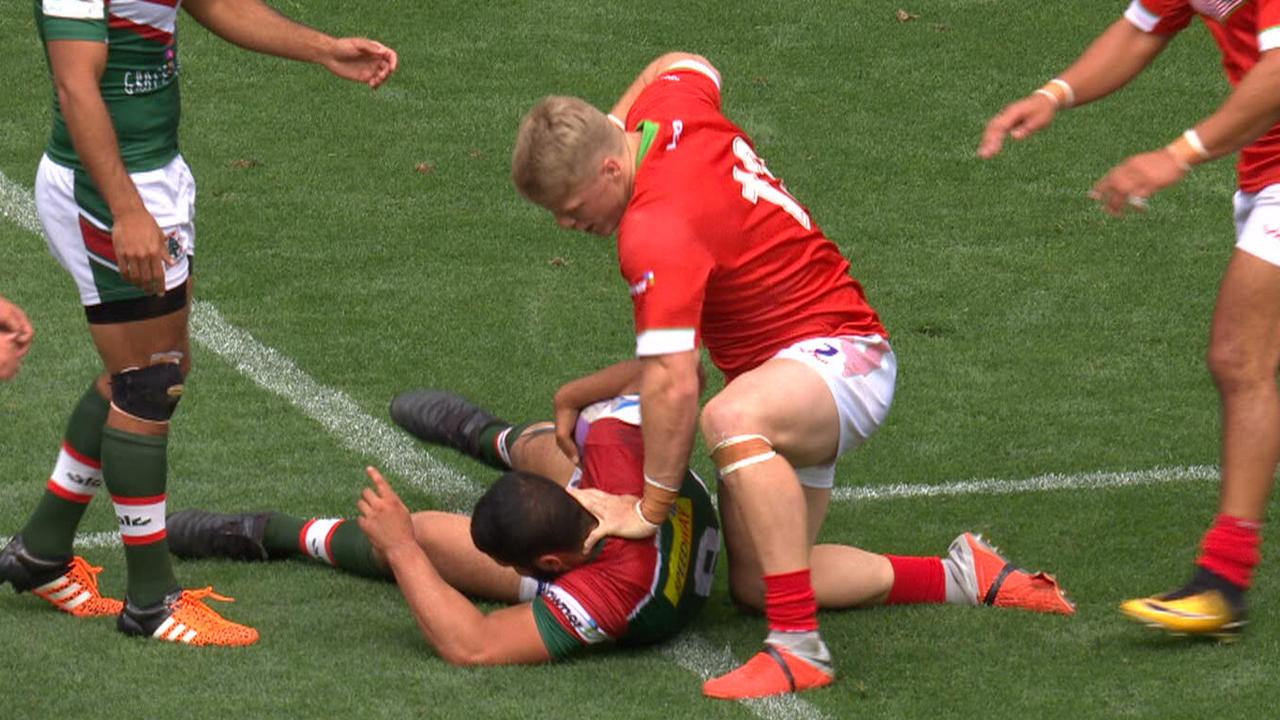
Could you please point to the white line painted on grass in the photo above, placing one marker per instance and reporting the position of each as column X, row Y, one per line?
column 334, row 409
column 697, row 655
column 353, row 428
column 1039, row 483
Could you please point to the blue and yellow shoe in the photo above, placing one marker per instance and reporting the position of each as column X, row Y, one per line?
column 1197, row 609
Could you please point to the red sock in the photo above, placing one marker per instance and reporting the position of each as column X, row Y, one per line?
column 917, row 580
column 789, row 602
column 1231, row 549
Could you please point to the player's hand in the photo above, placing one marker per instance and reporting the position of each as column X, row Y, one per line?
column 16, row 335
column 1019, row 120
column 383, row 516
column 1128, row 185
column 142, row 250
column 362, row 60
column 616, row 514
column 566, row 420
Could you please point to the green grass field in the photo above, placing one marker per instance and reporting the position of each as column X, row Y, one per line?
column 373, row 240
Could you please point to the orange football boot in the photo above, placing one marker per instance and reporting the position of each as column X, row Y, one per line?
column 988, row 578
column 773, row 671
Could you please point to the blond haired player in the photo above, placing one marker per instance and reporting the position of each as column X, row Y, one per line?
column 1244, row 344
column 716, row 253
column 117, row 202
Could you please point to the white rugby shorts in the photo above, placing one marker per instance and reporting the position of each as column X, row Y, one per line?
column 80, row 240
column 1257, row 217
column 860, row 371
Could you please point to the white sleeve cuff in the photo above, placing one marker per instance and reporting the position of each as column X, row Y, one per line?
column 1140, row 17
column 697, row 67
column 665, row 341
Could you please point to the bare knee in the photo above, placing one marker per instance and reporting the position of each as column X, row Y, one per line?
column 724, row 417
column 1237, row 366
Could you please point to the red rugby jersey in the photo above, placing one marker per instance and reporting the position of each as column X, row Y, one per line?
column 713, row 247
column 1243, row 29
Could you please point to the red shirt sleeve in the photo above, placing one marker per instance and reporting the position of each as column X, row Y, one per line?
column 666, row 269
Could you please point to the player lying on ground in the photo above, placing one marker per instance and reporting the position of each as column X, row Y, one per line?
column 524, row 527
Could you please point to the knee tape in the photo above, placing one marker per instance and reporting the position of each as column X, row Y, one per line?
column 741, row 451
column 151, row 392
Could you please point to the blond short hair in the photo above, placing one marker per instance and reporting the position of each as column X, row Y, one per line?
column 561, row 141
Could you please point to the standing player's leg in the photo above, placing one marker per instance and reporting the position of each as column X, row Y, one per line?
column 40, row 558
column 1244, row 357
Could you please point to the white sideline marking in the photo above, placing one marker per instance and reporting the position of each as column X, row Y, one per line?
column 335, row 410
column 694, row 653
column 354, row 429
column 1039, row 483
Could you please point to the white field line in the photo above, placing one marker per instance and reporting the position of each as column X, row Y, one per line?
column 357, row 431
column 1039, row 483
column 694, row 653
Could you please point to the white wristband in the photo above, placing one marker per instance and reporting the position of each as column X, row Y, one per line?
column 662, row 486
column 1069, row 93
column 1193, row 139
column 643, row 519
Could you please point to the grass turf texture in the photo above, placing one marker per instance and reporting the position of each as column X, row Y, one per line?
column 375, row 240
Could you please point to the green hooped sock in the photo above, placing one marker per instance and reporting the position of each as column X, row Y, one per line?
column 134, row 467
column 51, row 529
column 342, row 541
column 489, row 445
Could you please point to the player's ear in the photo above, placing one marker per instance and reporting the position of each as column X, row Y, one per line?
column 611, row 167
column 550, row 562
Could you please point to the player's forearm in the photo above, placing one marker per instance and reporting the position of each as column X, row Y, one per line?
column 448, row 620
column 253, row 25
column 618, row 379
column 94, row 137
column 669, row 406
column 1116, row 57
column 1251, row 109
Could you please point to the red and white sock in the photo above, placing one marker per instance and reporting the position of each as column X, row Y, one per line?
column 316, row 538
column 789, row 602
column 75, row 477
column 141, row 519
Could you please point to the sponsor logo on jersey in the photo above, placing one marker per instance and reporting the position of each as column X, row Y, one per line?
column 137, row 82
column 681, row 550
column 1216, row 9
column 579, row 620
column 642, row 285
